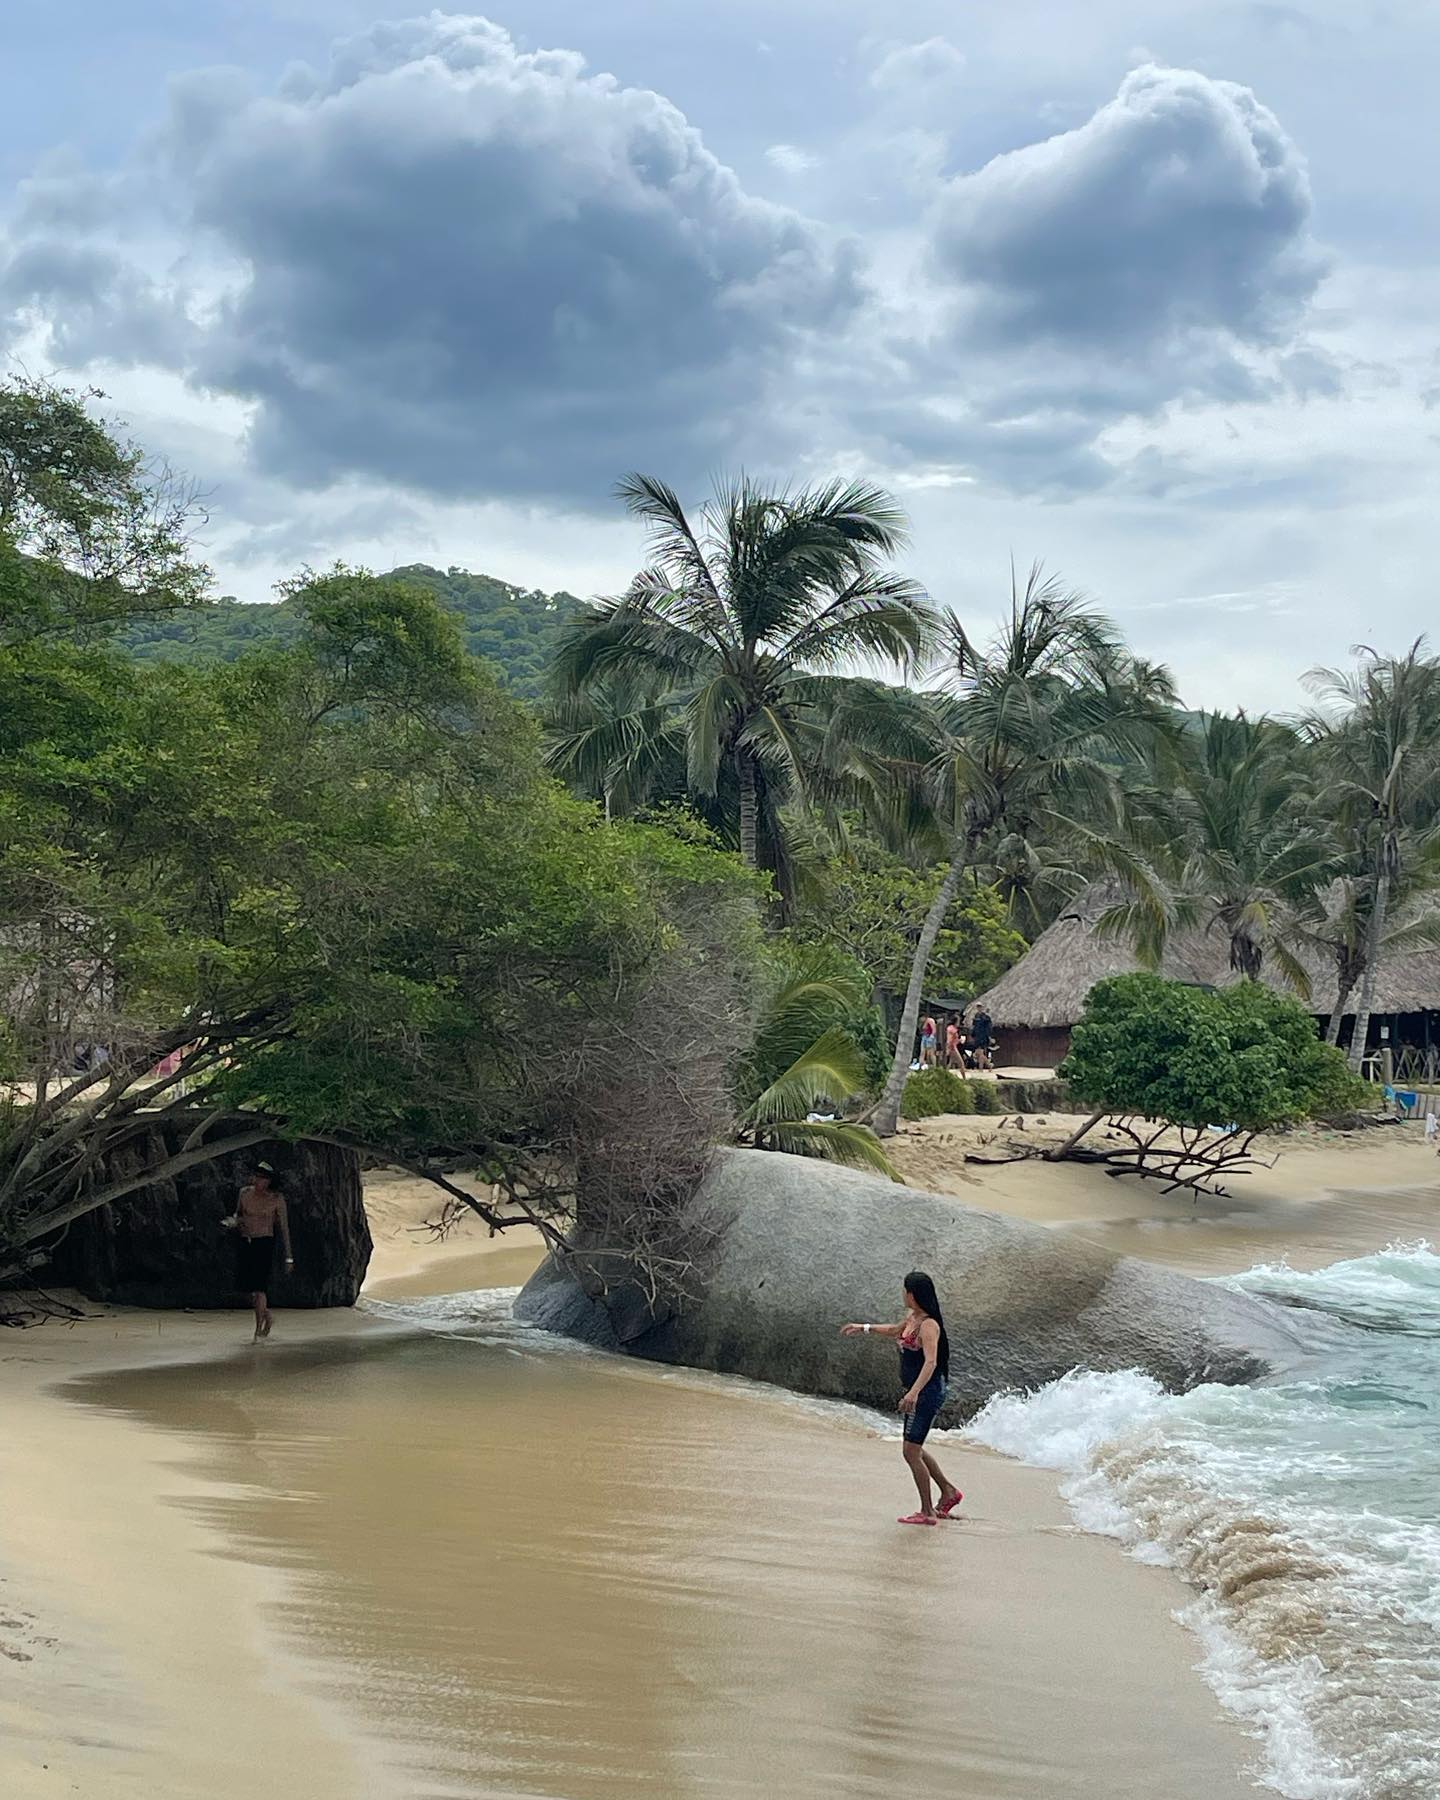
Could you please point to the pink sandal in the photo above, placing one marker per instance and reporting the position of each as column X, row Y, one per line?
column 918, row 1519
column 946, row 1507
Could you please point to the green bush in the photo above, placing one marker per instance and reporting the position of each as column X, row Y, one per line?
column 987, row 1098
column 867, row 1028
column 1194, row 1056
column 936, row 1091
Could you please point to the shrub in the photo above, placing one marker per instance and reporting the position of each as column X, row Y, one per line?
column 936, row 1091
column 988, row 1098
column 1242, row 1055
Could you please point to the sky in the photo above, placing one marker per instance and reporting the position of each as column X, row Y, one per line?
column 1147, row 292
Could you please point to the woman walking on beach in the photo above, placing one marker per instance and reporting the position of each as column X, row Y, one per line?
column 924, row 1371
column 259, row 1214
column 927, row 1043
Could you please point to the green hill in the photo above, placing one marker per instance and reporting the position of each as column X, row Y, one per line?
column 514, row 627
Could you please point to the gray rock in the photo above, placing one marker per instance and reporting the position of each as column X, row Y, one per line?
column 806, row 1246
column 163, row 1245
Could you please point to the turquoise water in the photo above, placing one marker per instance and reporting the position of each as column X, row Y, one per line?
column 1305, row 1515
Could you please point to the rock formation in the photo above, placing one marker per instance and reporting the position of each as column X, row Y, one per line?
column 806, row 1246
column 163, row 1245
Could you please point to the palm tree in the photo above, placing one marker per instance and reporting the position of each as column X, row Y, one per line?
column 1232, row 844
column 619, row 741
column 801, row 1061
column 1339, row 925
column 739, row 627
column 1015, row 741
column 1381, row 763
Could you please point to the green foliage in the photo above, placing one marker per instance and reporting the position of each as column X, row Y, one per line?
column 873, row 904
column 342, row 867
column 824, row 1075
column 1233, row 846
column 1163, row 1050
column 724, row 657
column 931, row 1092
column 805, row 1057
column 514, row 628
column 989, row 1099
column 92, row 534
column 806, row 990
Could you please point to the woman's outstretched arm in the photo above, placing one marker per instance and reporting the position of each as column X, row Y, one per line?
column 886, row 1331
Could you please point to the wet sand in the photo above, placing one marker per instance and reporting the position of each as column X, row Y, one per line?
column 382, row 1563
column 434, row 1566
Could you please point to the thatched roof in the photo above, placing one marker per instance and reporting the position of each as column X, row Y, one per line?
column 1047, row 987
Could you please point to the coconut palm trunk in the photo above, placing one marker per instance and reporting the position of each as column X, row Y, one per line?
column 1373, row 939
column 887, row 1113
column 1337, row 1017
column 749, row 806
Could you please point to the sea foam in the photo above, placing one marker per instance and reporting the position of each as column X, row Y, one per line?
column 1304, row 1515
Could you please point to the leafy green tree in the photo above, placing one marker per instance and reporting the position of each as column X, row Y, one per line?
column 1245, row 1054
column 92, row 532
column 1021, row 738
column 514, row 628
column 872, row 905
column 740, row 624
column 354, row 915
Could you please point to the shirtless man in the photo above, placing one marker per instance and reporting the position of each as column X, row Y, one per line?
column 259, row 1212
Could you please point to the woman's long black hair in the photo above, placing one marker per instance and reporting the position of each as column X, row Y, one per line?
column 921, row 1290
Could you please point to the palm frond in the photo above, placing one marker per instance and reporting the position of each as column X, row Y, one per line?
column 840, row 1141
column 827, row 1073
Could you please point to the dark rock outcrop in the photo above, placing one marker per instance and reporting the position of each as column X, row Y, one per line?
column 163, row 1245
column 806, row 1246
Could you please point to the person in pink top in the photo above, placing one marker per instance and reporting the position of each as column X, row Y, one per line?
column 925, row 1373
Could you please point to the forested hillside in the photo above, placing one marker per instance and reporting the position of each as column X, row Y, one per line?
column 513, row 627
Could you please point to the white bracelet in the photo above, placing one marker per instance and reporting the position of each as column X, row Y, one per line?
column 867, row 1331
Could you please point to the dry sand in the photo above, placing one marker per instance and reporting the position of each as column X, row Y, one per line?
column 585, row 1579
column 411, row 1258
column 1327, row 1194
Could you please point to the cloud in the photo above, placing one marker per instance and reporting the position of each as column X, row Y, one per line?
column 1157, row 256
column 790, row 159
column 919, row 73
column 1179, row 212
column 466, row 268
column 470, row 271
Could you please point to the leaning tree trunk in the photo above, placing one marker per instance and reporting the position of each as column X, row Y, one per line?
column 1337, row 1018
column 745, row 773
column 1372, row 963
column 886, row 1116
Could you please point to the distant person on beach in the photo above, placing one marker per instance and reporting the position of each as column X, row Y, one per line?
column 259, row 1214
column 955, row 1048
column 981, row 1030
column 927, row 1044
column 925, row 1371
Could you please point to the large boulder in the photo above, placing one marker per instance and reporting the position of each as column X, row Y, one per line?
column 802, row 1246
column 163, row 1245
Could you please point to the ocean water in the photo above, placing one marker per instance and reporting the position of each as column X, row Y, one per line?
column 1304, row 1515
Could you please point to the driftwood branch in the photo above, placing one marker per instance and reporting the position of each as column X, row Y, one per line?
column 1194, row 1164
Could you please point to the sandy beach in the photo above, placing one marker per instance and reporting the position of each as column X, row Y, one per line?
column 388, row 1560
column 1326, row 1194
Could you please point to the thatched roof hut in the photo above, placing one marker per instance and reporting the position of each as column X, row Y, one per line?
column 1035, row 1003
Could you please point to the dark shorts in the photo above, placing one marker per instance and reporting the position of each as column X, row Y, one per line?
column 918, row 1423
column 255, row 1264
